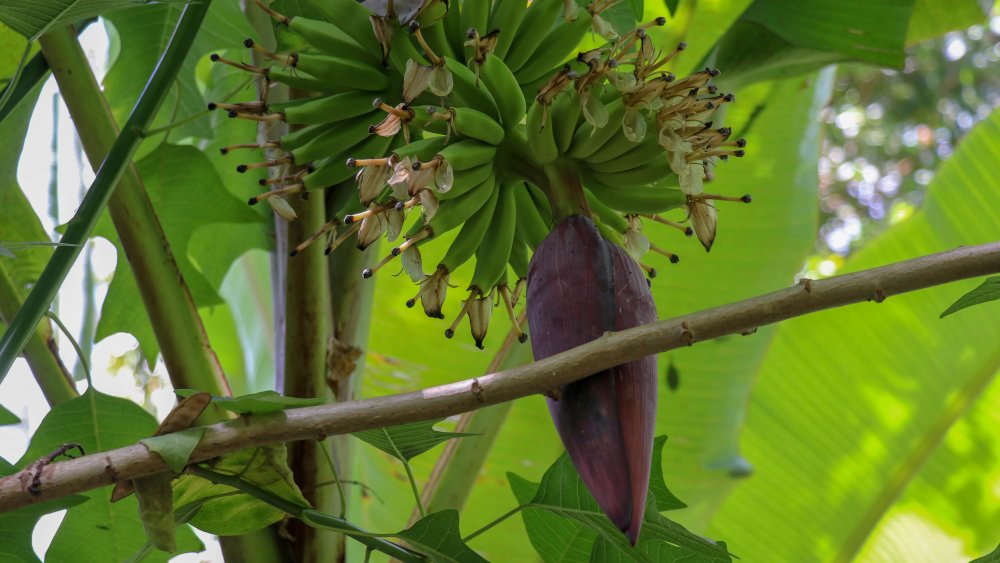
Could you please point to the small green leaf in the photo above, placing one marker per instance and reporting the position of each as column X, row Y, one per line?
column 437, row 535
column 228, row 512
column 665, row 500
column 556, row 539
column 992, row 557
column 156, row 510
column 257, row 403
column 988, row 291
column 406, row 441
column 7, row 417
column 175, row 448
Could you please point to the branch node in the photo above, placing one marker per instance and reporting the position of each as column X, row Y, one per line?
column 749, row 331
column 687, row 337
column 879, row 294
column 806, row 284
column 477, row 390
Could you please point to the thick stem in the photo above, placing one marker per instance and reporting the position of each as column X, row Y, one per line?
column 118, row 159
column 40, row 351
column 68, row 477
column 564, row 190
column 307, row 330
column 172, row 312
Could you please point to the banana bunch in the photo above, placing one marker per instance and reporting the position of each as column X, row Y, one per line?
column 426, row 117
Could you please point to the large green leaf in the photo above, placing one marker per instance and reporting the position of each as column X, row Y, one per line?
column 16, row 525
column 762, row 245
column 99, row 530
column 144, row 34
column 406, row 441
column 188, row 197
column 778, row 39
column 32, row 18
column 438, row 536
column 932, row 18
column 858, row 407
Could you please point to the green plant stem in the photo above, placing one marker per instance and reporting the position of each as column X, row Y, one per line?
column 307, row 331
column 172, row 311
column 111, row 170
column 373, row 541
column 486, row 528
column 76, row 346
column 458, row 467
column 40, row 351
column 564, row 190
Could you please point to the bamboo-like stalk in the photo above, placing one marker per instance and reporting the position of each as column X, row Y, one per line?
column 172, row 312
column 113, row 167
column 875, row 285
column 40, row 351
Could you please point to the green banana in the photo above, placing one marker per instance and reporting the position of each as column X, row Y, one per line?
column 340, row 71
column 647, row 173
column 506, row 16
column 519, row 259
column 421, row 149
column 334, row 170
column 333, row 140
column 471, row 235
column 468, row 92
column 605, row 214
column 475, row 124
column 475, row 15
column 587, row 141
column 351, row 17
column 535, row 26
column 467, row 153
column 565, row 115
column 403, row 49
column 437, row 39
column 641, row 155
column 541, row 202
column 466, row 180
column 555, row 49
column 453, row 29
column 301, row 80
column 453, row 212
column 616, row 146
column 541, row 137
column 296, row 139
column 330, row 38
column 329, row 109
column 656, row 198
column 494, row 250
column 503, row 86
column 530, row 222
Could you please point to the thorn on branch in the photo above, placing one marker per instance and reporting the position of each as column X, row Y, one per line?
column 477, row 390
column 687, row 337
column 879, row 295
column 806, row 284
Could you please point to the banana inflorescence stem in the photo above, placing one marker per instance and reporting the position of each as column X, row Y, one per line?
column 564, row 190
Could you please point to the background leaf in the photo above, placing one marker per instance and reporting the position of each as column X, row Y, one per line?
column 16, row 525
column 99, row 530
column 186, row 192
column 32, row 18
column 407, row 441
column 224, row 510
column 913, row 460
column 438, row 536
column 988, row 291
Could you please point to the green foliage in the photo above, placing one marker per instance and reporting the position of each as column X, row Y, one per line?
column 175, row 448
column 99, row 530
column 907, row 412
column 991, row 557
column 32, row 18
column 16, row 525
column 225, row 511
column 406, row 441
column 173, row 174
column 988, row 291
column 257, row 403
column 438, row 536
column 590, row 535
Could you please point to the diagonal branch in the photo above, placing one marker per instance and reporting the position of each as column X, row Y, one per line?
column 314, row 423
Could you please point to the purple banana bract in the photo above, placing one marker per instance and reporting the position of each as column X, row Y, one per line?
column 580, row 286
